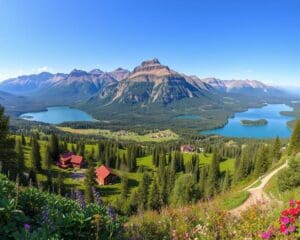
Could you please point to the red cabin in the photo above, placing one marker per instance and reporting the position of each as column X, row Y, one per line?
column 67, row 160
column 187, row 148
column 105, row 175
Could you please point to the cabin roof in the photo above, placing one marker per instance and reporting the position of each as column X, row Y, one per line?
column 76, row 159
column 103, row 172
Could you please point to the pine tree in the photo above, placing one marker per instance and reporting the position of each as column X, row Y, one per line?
column 7, row 153
column 23, row 140
column 262, row 161
column 276, row 154
column 243, row 167
column 226, row 182
column 213, row 175
column 54, row 148
column 47, row 160
column 294, row 145
column 143, row 190
column 183, row 191
column 20, row 160
column 35, row 155
column 89, row 182
column 154, row 201
column 124, row 188
column 202, row 181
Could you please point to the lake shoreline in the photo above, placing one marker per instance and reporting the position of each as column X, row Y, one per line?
column 278, row 123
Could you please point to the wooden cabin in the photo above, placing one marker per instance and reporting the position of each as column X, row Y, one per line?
column 187, row 148
column 70, row 160
column 105, row 175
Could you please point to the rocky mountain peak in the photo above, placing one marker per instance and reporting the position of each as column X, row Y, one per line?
column 77, row 73
column 96, row 71
column 151, row 67
column 154, row 61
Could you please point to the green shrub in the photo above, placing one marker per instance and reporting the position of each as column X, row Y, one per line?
column 289, row 178
column 33, row 214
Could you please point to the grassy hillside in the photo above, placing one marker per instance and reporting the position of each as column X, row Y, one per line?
column 109, row 192
column 158, row 136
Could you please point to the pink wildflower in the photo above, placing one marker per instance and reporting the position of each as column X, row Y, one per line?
column 284, row 220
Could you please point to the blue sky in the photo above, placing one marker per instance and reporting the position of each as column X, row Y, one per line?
column 232, row 39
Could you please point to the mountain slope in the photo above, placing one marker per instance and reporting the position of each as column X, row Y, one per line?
column 244, row 87
column 152, row 82
column 27, row 83
column 78, row 85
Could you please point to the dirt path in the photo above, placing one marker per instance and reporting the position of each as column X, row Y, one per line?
column 257, row 194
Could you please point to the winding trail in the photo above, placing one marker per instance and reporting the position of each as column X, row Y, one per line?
column 257, row 194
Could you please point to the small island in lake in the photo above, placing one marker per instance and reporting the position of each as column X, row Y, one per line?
column 258, row 122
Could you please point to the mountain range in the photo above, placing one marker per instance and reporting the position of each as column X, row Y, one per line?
column 150, row 93
column 149, row 82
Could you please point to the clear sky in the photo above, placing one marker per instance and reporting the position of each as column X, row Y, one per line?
column 228, row 39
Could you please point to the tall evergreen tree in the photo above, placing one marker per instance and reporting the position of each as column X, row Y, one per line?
column 47, row 159
column 20, row 160
column 35, row 155
column 213, row 175
column 54, row 147
column 23, row 139
column 262, row 161
column 89, row 181
column 243, row 167
column 124, row 188
column 143, row 190
column 7, row 153
column 226, row 182
column 276, row 150
column 154, row 200
column 294, row 145
column 202, row 181
column 183, row 191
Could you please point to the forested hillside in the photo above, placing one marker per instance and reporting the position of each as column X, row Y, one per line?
column 154, row 181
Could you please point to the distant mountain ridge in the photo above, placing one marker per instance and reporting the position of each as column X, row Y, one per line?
column 149, row 82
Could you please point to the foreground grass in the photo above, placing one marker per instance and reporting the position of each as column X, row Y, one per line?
column 234, row 199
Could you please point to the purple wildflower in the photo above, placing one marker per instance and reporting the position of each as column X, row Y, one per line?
column 97, row 197
column 80, row 199
column 111, row 212
column 27, row 227
column 46, row 219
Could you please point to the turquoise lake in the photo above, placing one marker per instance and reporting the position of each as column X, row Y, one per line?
column 277, row 123
column 56, row 115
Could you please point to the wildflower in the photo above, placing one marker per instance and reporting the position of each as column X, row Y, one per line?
column 285, row 213
column 292, row 228
column 266, row 235
column 284, row 220
column 80, row 199
column 27, row 227
column 111, row 213
column 97, row 197
column 292, row 203
column 282, row 228
column 46, row 219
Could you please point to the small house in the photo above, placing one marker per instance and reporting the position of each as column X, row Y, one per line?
column 70, row 160
column 187, row 148
column 105, row 175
